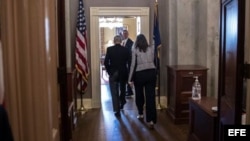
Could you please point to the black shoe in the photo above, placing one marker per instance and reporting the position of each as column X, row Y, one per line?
column 117, row 114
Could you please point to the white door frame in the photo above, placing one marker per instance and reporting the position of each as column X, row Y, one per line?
column 95, row 13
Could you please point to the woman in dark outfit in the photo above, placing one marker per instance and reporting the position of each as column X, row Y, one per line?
column 144, row 78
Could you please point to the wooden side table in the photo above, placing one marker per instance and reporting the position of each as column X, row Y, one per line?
column 180, row 81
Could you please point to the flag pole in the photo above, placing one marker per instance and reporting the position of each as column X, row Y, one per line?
column 82, row 109
column 81, row 63
column 159, row 107
column 157, row 56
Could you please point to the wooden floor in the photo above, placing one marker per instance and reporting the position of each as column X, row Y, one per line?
column 102, row 125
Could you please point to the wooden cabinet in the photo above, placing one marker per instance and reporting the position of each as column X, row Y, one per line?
column 180, row 81
column 203, row 121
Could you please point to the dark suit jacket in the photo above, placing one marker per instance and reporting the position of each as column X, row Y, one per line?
column 129, row 45
column 117, row 59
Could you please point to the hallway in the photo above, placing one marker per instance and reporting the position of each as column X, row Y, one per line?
column 102, row 125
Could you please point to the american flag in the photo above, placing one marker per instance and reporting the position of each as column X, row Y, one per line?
column 81, row 50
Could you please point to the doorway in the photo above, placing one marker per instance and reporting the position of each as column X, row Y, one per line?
column 95, row 42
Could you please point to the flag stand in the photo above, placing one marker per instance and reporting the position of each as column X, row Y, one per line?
column 159, row 107
column 157, row 88
column 82, row 109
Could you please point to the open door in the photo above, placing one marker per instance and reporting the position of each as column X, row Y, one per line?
column 231, row 69
column 64, row 120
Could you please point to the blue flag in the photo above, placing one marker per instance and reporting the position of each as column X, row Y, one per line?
column 157, row 37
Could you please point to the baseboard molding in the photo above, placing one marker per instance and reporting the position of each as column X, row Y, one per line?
column 87, row 103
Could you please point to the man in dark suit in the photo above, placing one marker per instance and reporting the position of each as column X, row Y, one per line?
column 116, row 62
column 127, row 43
